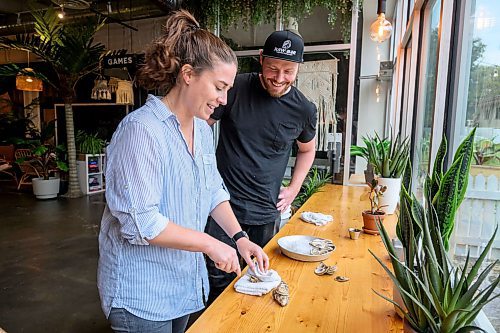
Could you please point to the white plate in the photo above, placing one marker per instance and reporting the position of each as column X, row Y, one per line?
column 298, row 247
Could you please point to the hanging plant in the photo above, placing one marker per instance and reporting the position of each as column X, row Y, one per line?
column 254, row 12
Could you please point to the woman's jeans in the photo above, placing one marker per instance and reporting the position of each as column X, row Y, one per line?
column 123, row 321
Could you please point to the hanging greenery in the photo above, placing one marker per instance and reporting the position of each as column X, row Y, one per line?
column 254, row 12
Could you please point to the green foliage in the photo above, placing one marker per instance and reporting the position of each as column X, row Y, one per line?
column 438, row 296
column 314, row 181
column 69, row 49
column 486, row 151
column 255, row 12
column 89, row 143
column 387, row 156
column 46, row 158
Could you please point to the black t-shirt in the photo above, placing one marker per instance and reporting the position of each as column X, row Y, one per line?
column 257, row 133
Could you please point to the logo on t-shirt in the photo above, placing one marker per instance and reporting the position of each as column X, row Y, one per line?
column 285, row 49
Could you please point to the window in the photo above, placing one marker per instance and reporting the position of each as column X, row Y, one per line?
column 427, row 94
column 477, row 104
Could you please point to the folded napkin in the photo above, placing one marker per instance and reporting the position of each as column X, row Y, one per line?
column 316, row 218
column 267, row 282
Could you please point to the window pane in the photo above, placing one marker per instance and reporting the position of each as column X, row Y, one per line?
column 427, row 93
column 478, row 104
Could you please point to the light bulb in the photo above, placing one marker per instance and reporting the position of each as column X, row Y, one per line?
column 29, row 79
column 61, row 13
column 381, row 29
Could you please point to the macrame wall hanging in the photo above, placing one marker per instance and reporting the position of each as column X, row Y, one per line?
column 317, row 80
column 124, row 93
column 100, row 90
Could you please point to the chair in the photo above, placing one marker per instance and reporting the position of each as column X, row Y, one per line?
column 28, row 170
column 7, row 169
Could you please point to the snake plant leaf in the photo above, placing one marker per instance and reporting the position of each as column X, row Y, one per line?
column 447, row 199
column 479, row 261
column 437, row 173
column 467, row 329
column 469, row 295
column 466, row 149
column 405, row 222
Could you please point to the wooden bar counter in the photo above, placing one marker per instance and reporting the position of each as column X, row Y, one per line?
column 317, row 303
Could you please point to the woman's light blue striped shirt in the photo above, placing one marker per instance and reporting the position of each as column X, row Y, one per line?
column 151, row 178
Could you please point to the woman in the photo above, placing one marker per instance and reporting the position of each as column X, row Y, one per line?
column 162, row 183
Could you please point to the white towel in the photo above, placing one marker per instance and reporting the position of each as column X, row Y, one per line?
column 316, row 218
column 270, row 280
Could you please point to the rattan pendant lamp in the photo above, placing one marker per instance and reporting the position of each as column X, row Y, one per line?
column 26, row 79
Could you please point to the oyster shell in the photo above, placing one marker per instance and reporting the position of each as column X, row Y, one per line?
column 281, row 294
column 254, row 279
column 325, row 269
column 321, row 246
column 321, row 269
column 341, row 278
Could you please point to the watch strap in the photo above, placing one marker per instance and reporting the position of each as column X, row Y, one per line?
column 239, row 235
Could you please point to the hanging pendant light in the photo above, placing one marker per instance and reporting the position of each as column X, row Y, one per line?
column 381, row 29
column 26, row 80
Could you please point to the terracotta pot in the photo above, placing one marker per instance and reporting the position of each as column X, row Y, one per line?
column 370, row 219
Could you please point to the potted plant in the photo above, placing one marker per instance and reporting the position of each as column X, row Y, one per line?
column 375, row 143
column 389, row 162
column 44, row 158
column 370, row 217
column 314, row 181
column 89, row 143
column 437, row 296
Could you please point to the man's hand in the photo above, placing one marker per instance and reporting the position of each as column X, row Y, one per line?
column 247, row 249
column 286, row 197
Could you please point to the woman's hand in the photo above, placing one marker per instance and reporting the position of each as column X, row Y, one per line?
column 247, row 249
column 224, row 257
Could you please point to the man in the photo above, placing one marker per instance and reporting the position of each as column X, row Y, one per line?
column 263, row 117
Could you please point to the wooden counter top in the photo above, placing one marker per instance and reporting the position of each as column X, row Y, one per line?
column 317, row 303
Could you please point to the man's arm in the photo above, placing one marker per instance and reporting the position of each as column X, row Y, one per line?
column 303, row 162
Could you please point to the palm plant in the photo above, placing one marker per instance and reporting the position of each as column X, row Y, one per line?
column 71, row 52
column 438, row 296
column 315, row 180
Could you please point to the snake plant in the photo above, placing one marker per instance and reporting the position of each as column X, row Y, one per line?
column 438, row 296
column 387, row 156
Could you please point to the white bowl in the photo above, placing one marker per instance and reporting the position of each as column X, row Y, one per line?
column 297, row 247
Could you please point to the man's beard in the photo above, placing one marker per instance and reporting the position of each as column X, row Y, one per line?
column 271, row 90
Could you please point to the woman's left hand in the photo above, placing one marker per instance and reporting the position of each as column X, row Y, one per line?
column 247, row 249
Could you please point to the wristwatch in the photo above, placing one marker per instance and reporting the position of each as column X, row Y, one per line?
column 238, row 235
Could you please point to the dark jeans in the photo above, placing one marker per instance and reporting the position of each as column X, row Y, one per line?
column 123, row 321
column 219, row 280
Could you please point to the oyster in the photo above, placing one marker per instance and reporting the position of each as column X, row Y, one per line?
column 321, row 246
column 254, row 279
column 281, row 294
column 325, row 269
column 321, row 269
column 341, row 278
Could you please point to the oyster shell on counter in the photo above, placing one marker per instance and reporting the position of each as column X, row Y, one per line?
column 341, row 278
column 323, row 269
column 281, row 294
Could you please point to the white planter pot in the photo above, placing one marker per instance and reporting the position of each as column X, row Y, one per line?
column 46, row 189
column 390, row 198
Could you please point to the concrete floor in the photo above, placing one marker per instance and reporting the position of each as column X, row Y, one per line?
column 48, row 261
